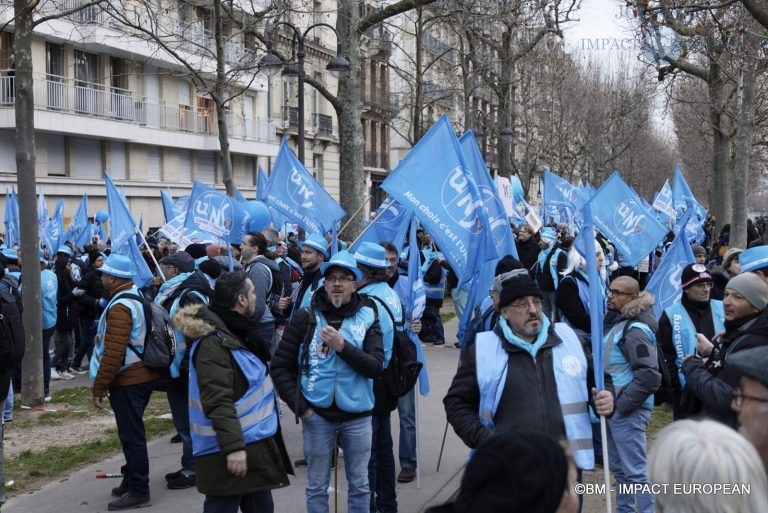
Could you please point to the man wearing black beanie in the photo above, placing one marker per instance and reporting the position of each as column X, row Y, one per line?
column 527, row 374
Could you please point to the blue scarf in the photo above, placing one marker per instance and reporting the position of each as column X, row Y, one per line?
column 170, row 286
column 528, row 347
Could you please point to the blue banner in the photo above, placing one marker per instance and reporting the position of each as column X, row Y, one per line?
column 595, row 298
column 390, row 223
column 142, row 275
column 261, row 184
column 79, row 231
column 620, row 215
column 55, row 229
column 292, row 190
column 558, row 192
column 416, row 300
column 11, row 219
column 169, row 209
column 664, row 283
column 433, row 182
column 664, row 203
column 684, row 200
column 121, row 222
column 42, row 221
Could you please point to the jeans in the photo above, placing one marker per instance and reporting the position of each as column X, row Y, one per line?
column 406, row 409
column 63, row 340
column 381, row 467
column 626, row 450
column 8, row 411
column 129, row 403
column 177, row 400
column 256, row 502
column 318, row 449
column 87, row 332
column 47, row 334
column 432, row 325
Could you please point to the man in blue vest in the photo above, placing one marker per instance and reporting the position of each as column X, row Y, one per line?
column 629, row 355
column 117, row 369
column 238, row 446
column 435, row 276
column 324, row 369
column 183, row 286
column 527, row 374
column 696, row 312
column 372, row 262
column 552, row 262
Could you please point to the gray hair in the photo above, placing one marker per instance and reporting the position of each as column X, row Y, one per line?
column 689, row 453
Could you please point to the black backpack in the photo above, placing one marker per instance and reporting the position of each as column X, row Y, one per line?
column 400, row 376
column 12, row 335
column 160, row 339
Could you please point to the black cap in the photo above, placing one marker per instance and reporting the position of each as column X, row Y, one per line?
column 182, row 261
column 752, row 363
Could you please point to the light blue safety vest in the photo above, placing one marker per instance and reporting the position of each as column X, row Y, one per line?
column 684, row 332
column 330, row 379
column 570, row 368
column 389, row 297
column 136, row 338
column 181, row 341
column 614, row 361
column 256, row 410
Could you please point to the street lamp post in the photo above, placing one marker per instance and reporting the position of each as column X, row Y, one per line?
column 338, row 66
column 505, row 134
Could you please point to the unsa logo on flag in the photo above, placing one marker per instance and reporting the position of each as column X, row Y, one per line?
column 629, row 218
column 498, row 224
column 458, row 202
column 214, row 214
column 303, row 191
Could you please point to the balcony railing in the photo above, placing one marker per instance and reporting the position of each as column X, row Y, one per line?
column 380, row 99
column 290, row 117
column 372, row 158
column 54, row 93
column 323, row 124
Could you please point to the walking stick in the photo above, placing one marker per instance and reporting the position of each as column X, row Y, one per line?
column 607, row 470
column 336, row 474
column 418, row 444
column 445, row 431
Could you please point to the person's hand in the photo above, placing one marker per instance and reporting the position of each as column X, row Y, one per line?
column 332, row 338
column 97, row 402
column 237, row 463
column 703, row 346
column 416, row 326
column 77, row 292
column 603, row 402
column 307, row 413
column 283, row 303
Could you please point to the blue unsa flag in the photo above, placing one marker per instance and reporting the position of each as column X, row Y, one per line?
column 390, row 223
column 121, row 222
column 620, row 215
column 294, row 192
column 432, row 180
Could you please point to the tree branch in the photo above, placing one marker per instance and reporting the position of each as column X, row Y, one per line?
column 389, row 11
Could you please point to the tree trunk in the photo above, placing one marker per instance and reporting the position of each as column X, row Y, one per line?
column 720, row 152
column 746, row 125
column 351, row 175
column 218, row 97
column 32, row 366
column 505, row 86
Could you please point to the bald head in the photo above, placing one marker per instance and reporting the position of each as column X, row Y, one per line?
column 627, row 284
column 622, row 291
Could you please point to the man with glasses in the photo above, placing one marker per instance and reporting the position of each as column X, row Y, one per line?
column 696, row 312
column 527, row 374
column 629, row 355
column 708, row 373
column 750, row 398
column 324, row 369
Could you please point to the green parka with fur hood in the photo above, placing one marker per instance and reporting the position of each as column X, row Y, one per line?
column 221, row 384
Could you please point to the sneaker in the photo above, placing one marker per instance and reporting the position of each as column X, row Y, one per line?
column 129, row 501
column 439, row 342
column 66, row 375
column 47, row 399
column 119, row 491
column 55, row 374
column 300, row 463
column 173, row 475
column 181, row 482
column 76, row 370
column 406, row 475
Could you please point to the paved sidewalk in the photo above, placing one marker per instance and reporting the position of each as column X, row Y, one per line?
column 82, row 492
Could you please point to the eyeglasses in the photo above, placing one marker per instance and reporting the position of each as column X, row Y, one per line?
column 708, row 284
column 520, row 305
column 739, row 396
column 614, row 292
column 340, row 279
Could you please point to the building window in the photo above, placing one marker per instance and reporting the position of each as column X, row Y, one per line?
column 88, row 92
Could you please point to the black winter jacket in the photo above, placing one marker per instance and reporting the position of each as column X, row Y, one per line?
column 367, row 361
column 713, row 382
column 529, row 401
column 90, row 281
column 569, row 303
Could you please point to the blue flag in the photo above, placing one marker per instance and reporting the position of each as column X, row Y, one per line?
column 664, row 283
column 210, row 211
column 42, row 221
column 79, row 224
column 142, row 275
column 390, row 223
column 261, row 184
column 663, row 202
column 595, row 298
column 432, row 181
column 619, row 214
column 55, row 229
column 11, row 219
column 416, row 300
column 292, row 190
column 557, row 192
column 169, row 210
column 239, row 195
column 122, row 224
column 684, row 200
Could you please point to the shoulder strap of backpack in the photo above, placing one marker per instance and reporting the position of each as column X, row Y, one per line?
column 397, row 324
column 304, row 355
